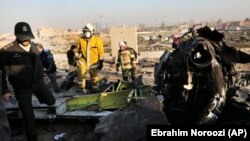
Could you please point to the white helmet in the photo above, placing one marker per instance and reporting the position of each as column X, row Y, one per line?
column 121, row 43
column 88, row 27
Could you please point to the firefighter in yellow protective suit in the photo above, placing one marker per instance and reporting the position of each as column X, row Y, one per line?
column 90, row 58
column 127, row 61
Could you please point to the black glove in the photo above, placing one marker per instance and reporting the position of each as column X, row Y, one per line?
column 117, row 67
column 100, row 65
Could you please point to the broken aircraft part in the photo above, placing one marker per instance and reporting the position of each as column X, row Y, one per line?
column 129, row 124
column 204, row 61
column 118, row 95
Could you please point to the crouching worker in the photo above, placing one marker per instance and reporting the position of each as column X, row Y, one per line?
column 127, row 61
column 20, row 62
column 49, row 65
column 72, row 58
column 90, row 59
column 70, row 78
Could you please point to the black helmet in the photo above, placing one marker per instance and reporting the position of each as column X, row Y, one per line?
column 23, row 31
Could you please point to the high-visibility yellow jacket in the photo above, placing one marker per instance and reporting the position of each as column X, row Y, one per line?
column 126, row 58
column 91, row 51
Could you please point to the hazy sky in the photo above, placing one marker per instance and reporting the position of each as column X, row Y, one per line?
column 75, row 13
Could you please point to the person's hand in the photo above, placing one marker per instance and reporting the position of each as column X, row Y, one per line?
column 134, row 65
column 72, row 68
column 117, row 67
column 100, row 65
column 6, row 96
column 45, row 70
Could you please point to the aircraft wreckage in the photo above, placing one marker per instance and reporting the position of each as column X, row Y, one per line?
column 71, row 104
column 197, row 81
column 198, row 84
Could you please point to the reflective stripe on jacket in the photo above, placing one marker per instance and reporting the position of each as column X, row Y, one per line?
column 126, row 58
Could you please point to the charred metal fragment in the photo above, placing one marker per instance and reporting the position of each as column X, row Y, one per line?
column 130, row 124
column 196, row 76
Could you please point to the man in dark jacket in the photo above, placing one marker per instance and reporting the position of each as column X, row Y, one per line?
column 20, row 62
column 70, row 78
column 49, row 65
column 71, row 58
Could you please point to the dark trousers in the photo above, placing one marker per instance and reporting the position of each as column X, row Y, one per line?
column 24, row 97
column 52, row 77
column 128, row 74
column 133, row 73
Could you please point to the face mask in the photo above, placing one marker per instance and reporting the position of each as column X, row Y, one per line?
column 87, row 34
column 122, row 47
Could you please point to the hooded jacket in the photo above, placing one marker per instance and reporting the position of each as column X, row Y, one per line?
column 48, row 62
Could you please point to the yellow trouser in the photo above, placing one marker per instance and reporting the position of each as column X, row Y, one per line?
column 82, row 71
